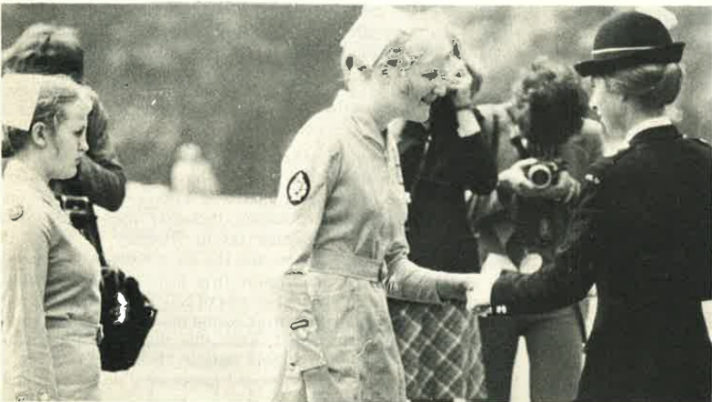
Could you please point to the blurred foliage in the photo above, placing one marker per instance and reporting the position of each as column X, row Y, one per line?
column 239, row 79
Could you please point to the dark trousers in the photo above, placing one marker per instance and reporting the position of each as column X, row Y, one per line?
column 555, row 346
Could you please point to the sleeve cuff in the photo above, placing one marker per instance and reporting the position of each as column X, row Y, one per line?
column 467, row 123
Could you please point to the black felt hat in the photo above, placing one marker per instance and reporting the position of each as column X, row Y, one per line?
column 630, row 39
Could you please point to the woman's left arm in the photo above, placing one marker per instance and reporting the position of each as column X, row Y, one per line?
column 476, row 164
column 27, row 359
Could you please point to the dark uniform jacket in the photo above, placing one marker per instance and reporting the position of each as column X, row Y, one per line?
column 436, row 178
column 641, row 233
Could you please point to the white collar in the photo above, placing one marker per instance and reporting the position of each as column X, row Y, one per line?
column 647, row 124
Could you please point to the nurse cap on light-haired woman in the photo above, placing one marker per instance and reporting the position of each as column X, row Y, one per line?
column 50, row 273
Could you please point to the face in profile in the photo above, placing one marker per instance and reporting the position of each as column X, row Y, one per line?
column 520, row 112
column 426, row 80
column 608, row 105
column 461, row 87
column 69, row 140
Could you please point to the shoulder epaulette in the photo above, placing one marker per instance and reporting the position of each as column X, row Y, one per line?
column 700, row 141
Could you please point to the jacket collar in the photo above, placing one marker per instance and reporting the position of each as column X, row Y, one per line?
column 364, row 121
column 656, row 133
column 18, row 172
column 645, row 125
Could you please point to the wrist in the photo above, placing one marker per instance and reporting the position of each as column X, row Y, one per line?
column 451, row 286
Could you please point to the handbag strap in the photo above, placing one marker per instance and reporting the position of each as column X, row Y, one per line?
column 81, row 213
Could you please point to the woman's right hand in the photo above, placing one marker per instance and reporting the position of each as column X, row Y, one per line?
column 320, row 385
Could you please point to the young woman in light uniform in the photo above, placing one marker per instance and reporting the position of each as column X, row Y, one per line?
column 342, row 187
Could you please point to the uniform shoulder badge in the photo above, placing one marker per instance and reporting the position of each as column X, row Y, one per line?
column 298, row 188
column 15, row 212
column 701, row 141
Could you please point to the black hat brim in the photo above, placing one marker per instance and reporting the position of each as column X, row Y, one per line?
column 667, row 54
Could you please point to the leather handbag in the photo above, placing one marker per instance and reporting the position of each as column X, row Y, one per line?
column 127, row 315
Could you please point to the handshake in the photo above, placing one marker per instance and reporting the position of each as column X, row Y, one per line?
column 478, row 287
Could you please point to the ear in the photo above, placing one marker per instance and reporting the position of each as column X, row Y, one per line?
column 39, row 134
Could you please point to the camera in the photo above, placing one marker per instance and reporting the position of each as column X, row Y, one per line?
column 543, row 173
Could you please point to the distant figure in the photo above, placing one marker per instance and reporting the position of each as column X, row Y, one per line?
column 191, row 173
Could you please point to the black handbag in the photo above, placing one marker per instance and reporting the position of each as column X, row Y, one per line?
column 127, row 315
column 126, row 318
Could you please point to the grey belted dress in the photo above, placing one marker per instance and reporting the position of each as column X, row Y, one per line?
column 342, row 188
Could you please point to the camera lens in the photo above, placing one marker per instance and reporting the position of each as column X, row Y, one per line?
column 540, row 175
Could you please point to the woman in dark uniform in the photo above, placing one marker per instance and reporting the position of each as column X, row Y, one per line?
column 640, row 231
column 441, row 159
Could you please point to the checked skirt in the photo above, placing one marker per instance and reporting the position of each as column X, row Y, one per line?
column 441, row 350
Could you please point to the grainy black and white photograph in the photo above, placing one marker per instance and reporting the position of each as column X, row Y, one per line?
column 282, row 202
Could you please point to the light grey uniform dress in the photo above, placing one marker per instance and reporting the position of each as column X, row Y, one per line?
column 342, row 187
column 51, row 304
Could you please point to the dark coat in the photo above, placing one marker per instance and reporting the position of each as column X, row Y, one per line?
column 641, row 233
column 438, row 232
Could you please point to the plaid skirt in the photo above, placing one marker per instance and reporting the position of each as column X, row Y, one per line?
column 441, row 350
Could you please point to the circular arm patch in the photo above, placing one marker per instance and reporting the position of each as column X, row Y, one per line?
column 298, row 188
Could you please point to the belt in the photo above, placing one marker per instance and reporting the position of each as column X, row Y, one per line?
column 76, row 327
column 345, row 264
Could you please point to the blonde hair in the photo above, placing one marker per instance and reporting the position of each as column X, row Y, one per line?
column 388, row 42
column 56, row 91
column 650, row 86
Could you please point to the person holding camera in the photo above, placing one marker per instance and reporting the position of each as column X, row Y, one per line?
column 545, row 120
column 50, row 274
column 640, row 231
column 440, row 160
column 50, row 49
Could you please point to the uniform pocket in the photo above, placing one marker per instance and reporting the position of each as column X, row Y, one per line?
column 334, row 311
column 77, row 367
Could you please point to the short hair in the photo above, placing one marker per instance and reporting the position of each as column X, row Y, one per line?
column 557, row 102
column 55, row 93
column 650, row 86
column 46, row 49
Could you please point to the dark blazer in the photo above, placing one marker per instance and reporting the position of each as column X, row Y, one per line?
column 438, row 166
column 641, row 233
